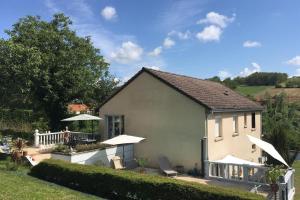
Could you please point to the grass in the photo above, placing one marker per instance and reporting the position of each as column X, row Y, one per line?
column 296, row 166
column 251, row 90
column 19, row 185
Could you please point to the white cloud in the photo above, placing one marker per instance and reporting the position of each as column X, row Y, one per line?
column 168, row 42
column 128, row 52
column 224, row 74
column 153, row 67
column 157, row 51
column 251, row 44
column 217, row 19
column 297, row 72
column 109, row 13
column 210, row 33
column 294, row 61
column 247, row 71
column 181, row 35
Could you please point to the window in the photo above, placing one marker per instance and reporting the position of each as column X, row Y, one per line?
column 245, row 120
column 115, row 125
column 253, row 121
column 253, row 147
column 218, row 127
column 235, row 124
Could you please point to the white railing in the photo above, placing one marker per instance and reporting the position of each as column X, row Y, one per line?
column 236, row 172
column 286, row 186
column 48, row 138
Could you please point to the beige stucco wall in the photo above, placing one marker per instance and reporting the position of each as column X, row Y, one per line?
column 239, row 145
column 172, row 123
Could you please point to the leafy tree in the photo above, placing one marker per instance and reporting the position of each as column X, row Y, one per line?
column 65, row 66
column 265, row 78
column 230, row 83
column 215, row 79
column 279, row 121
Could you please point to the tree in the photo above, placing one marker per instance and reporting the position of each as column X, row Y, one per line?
column 69, row 66
column 215, row 79
column 279, row 120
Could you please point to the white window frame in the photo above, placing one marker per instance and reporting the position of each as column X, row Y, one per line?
column 219, row 134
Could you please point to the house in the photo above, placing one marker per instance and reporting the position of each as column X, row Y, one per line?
column 189, row 120
column 77, row 108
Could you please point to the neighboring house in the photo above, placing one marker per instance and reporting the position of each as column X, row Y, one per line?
column 189, row 120
column 77, row 108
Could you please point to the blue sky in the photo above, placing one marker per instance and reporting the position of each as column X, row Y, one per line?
column 191, row 37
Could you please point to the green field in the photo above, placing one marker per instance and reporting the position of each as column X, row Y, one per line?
column 252, row 90
column 296, row 166
column 16, row 185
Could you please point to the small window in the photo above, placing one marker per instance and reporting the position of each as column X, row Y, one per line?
column 218, row 127
column 253, row 147
column 235, row 124
column 245, row 120
column 253, row 121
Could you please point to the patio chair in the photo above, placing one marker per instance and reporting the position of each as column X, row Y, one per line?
column 166, row 167
column 117, row 163
column 31, row 161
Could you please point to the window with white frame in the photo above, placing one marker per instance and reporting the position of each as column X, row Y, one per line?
column 218, row 126
column 114, row 125
column 235, row 124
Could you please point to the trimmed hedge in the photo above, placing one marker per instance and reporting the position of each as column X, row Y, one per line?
column 115, row 184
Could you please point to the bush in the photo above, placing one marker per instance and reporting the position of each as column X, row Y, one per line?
column 88, row 147
column 114, row 184
column 15, row 134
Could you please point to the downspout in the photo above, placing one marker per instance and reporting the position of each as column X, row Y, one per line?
column 204, row 148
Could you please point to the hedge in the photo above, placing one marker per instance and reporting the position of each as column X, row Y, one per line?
column 113, row 184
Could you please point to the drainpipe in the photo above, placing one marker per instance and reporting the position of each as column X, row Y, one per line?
column 204, row 150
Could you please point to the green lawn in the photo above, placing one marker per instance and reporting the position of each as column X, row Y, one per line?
column 252, row 90
column 16, row 185
column 296, row 166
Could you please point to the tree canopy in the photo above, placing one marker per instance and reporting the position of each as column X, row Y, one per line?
column 45, row 65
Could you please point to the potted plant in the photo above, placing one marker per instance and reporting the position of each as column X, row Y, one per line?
column 18, row 145
column 272, row 176
column 142, row 162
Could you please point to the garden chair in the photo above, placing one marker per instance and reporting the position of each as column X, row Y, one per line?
column 31, row 161
column 166, row 167
column 117, row 163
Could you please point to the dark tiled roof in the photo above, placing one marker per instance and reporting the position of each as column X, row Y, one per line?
column 213, row 95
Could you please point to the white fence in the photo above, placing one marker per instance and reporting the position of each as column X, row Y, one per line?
column 286, row 186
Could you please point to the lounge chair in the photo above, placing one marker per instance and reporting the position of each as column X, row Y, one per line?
column 117, row 163
column 166, row 167
column 31, row 161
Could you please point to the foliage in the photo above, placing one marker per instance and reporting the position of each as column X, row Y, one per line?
column 293, row 82
column 11, row 165
column 14, row 134
column 115, row 184
column 49, row 66
column 251, row 90
column 215, row 79
column 19, row 144
column 230, row 83
column 265, row 78
column 142, row 162
column 273, row 174
column 62, row 149
column 88, row 147
column 279, row 120
column 296, row 166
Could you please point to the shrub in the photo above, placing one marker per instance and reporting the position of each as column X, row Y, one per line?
column 114, row 184
column 88, row 147
column 15, row 134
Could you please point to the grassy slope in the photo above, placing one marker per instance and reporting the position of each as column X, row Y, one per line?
column 296, row 166
column 16, row 185
column 252, row 90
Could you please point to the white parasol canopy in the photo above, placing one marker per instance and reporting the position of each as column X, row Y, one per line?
column 229, row 159
column 82, row 117
column 123, row 139
column 267, row 147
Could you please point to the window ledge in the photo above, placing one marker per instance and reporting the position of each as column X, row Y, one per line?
column 218, row 139
column 235, row 134
column 245, row 126
column 253, row 129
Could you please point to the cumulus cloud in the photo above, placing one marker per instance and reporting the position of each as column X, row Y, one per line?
column 181, row 35
column 217, row 19
column 109, row 13
column 168, row 42
column 223, row 74
column 251, row 44
column 128, row 52
column 294, row 61
column 210, row 33
column 157, row 51
column 247, row 71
